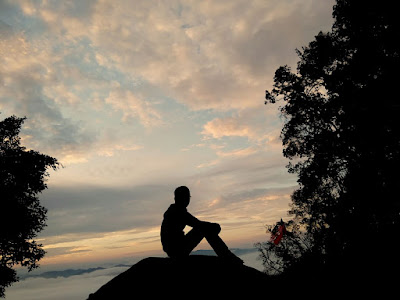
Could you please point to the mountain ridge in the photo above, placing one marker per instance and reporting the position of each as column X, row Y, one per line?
column 62, row 273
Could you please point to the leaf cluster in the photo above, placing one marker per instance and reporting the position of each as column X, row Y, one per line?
column 22, row 217
column 341, row 133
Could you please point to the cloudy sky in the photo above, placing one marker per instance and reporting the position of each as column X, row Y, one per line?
column 135, row 98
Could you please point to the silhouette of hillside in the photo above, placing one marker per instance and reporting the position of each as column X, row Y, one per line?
column 197, row 275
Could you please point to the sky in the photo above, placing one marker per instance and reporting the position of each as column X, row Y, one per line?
column 136, row 98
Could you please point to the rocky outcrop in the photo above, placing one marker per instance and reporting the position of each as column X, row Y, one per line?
column 194, row 277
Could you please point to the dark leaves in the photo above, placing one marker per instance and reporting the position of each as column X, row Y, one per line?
column 22, row 179
column 342, row 133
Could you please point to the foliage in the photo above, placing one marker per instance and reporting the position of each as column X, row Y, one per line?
column 342, row 137
column 22, row 178
column 294, row 245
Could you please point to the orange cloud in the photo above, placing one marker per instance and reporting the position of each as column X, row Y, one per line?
column 219, row 128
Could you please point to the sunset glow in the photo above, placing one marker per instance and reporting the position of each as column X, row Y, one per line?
column 135, row 98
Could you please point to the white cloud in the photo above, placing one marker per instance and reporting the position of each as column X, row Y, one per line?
column 132, row 106
column 259, row 126
column 217, row 56
column 219, row 128
column 110, row 150
column 238, row 152
column 26, row 70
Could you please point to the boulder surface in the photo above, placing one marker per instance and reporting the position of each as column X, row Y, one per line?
column 193, row 277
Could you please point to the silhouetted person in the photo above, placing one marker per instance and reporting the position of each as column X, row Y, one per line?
column 178, row 245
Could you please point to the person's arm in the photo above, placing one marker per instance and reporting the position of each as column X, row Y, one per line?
column 192, row 221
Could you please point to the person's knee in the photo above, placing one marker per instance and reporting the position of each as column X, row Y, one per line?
column 217, row 228
column 214, row 228
column 211, row 228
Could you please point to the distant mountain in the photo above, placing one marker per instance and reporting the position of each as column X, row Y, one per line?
column 236, row 251
column 122, row 266
column 240, row 252
column 63, row 273
column 204, row 252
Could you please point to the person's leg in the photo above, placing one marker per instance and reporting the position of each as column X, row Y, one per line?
column 211, row 231
column 192, row 239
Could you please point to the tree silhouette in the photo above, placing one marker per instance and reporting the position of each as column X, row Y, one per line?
column 22, row 178
column 342, row 137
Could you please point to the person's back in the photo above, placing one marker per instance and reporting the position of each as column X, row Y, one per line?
column 175, row 220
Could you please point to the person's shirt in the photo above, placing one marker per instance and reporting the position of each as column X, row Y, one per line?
column 176, row 218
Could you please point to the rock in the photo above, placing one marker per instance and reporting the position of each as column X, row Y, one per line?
column 193, row 277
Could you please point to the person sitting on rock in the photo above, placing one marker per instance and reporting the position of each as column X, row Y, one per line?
column 178, row 245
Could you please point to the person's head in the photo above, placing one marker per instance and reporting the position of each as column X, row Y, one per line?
column 182, row 196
